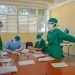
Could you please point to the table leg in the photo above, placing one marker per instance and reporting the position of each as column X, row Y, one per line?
column 68, row 50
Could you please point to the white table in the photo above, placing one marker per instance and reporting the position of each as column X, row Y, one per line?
column 68, row 44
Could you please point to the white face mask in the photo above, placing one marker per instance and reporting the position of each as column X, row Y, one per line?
column 15, row 41
column 50, row 27
column 38, row 40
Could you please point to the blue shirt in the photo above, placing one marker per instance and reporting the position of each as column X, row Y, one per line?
column 11, row 45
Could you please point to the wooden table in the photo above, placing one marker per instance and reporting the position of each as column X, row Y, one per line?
column 40, row 68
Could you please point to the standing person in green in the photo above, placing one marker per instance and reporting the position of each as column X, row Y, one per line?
column 1, row 44
column 55, row 37
column 40, row 44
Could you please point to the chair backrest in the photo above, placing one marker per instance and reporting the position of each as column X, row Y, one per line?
column 28, row 44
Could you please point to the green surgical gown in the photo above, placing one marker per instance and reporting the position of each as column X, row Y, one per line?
column 54, row 39
column 41, row 44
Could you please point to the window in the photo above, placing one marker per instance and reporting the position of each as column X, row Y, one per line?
column 23, row 24
column 8, row 9
column 26, row 20
column 41, row 12
column 27, row 11
column 32, row 24
column 12, row 23
column 3, row 20
column 41, row 24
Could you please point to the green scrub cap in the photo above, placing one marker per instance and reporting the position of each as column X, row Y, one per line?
column 53, row 20
column 38, row 36
column 17, row 38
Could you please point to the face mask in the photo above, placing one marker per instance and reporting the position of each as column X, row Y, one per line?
column 38, row 40
column 50, row 27
column 15, row 41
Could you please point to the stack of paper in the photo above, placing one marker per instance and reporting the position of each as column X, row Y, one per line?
column 46, row 59
column 39, row 55
column 60, row 64
column 26, row 62
column 5, row 60
column 4, row 53
column 14, row 52
column 7, row 69
column 38, row 52
column 25, row 51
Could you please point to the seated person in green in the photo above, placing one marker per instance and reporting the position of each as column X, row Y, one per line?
column 1, row 43
column 54, row 37
column 40, row 44
column 14, row 45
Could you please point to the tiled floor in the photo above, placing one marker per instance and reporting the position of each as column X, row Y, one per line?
column 69, row 59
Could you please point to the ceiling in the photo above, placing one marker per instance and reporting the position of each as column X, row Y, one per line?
column 39, row 3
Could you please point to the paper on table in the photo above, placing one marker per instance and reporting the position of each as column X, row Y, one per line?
column 38, row 55
column 25, row 51
column 60, row 64
column 26, row 62
column 46, row 59
column 37, row 52
column 4, row 53
column 7, row 69
column 14, row 52
column 5, row 60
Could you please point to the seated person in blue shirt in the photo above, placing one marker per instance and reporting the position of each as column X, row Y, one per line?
column 14, row 45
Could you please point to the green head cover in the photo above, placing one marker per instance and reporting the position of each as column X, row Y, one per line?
column 17, row 38
column 38, row 36
column 53, row 20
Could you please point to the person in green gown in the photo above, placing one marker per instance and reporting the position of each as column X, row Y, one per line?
column 54, row 37
column 40, row 44
column 1, row 43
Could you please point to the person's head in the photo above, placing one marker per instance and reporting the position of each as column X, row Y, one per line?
column 52, row 23
column 38, row 37
column 17, row 38
column 41, row 33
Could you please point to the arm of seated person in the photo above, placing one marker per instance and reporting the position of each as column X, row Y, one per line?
column 7, row 50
